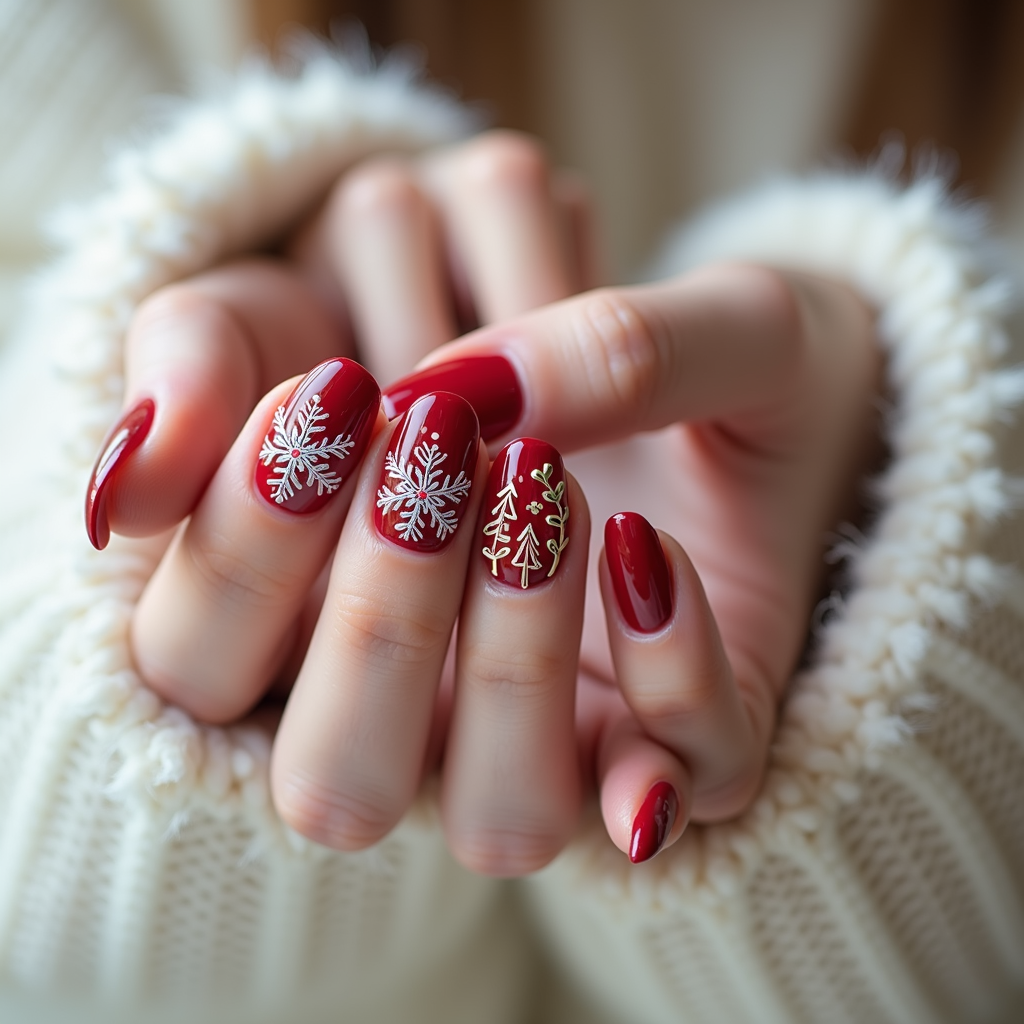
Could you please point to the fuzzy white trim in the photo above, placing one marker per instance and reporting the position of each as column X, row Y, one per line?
column 921, row 260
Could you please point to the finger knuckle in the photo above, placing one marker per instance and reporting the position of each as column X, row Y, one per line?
column 674, row 709
column 236, row 578
column 384, row 633
column 506, row 853
column 731, row 798
column 507, row 160
column 343, row 820
column 617, row 350
column 516, row 673
column 181, row 305
column 383, row 187
column 775, row 303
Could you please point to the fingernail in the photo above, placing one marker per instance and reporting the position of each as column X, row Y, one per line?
column 488, row 383
column 639, row 570
column 318, row 436
column 127, row 435
column 428, row 473
column 653, row 822
column 526, row 529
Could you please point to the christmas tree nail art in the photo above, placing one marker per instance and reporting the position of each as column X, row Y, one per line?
column 428, row 473
column 318, row 436
column 526, row 529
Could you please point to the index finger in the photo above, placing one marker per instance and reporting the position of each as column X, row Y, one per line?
column 730, row 342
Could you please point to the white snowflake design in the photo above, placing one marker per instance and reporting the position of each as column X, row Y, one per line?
column 298, row 453
column 421, row 493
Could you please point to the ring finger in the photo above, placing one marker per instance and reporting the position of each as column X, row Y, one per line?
column 511, row 790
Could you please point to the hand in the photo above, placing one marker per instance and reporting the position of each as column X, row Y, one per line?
column 735, row 406
column 483, row 229
column 232, row 605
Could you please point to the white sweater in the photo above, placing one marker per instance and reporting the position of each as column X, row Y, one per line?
column 144, row 874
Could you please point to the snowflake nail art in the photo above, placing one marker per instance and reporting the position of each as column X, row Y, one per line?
column 420, row 493
column 428, row 473
column 292, row 453
column 526, row 501
column 298, row 470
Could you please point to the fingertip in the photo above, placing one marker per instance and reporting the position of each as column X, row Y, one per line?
column 645, row 793
column 639, row 572
column 537, row 508
column 327, row 816
column 509, row 852
column 653, row 822
column 127, row 435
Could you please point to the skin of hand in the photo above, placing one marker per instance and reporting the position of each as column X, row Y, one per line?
column 773, row 374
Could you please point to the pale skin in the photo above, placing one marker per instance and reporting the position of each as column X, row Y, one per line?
column 733, row 406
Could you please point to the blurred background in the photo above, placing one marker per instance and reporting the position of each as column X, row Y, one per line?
column 662, row 104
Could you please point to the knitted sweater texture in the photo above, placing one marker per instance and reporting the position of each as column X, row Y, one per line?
column 879, row 876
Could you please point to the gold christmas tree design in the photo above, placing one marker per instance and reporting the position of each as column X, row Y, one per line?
column 526, row 557
column 504, row 512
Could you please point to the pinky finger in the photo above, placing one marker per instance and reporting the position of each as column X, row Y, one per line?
column 673, row 670
column 645, row 791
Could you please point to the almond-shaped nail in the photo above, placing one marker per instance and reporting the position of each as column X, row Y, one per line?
column 488, row 383
column 318, row 436
column 129, row 432
column 639, row 570
column 653, row 822
column 526, row 513
column 428, row 473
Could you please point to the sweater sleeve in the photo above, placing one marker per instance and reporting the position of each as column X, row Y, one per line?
column 880, row 874
column 144, row 874
column 141, row 862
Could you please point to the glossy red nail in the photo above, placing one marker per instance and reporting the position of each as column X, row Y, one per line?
column 318, row 436
column 488, row 383
column 428, row 473
column 639, row 570
column 131, row 430
column 527, row 513
column 653, row 822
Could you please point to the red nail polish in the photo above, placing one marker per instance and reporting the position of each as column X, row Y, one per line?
column 131, row 430
column 318, row 436
column 488, row 383
column 653, row 822
column 527, row 513
column 428, row 473
column 639, row 570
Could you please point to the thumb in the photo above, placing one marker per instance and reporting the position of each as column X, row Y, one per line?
column 719, row 343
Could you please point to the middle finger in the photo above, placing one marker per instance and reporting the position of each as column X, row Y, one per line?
column 511, row 792
column 350, row 750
